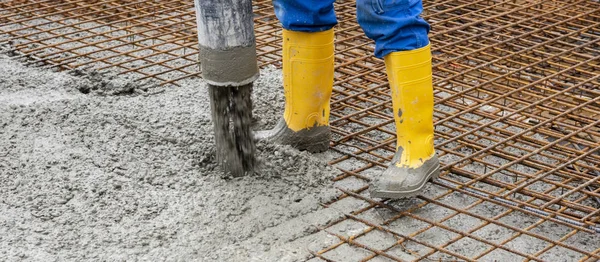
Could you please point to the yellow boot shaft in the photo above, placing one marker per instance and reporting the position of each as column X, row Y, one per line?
column 409, row 75
column 307, row 78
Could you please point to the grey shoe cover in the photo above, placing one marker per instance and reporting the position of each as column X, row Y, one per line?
column 314, row 139
column 399, row 182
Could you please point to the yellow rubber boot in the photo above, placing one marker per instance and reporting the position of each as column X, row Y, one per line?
column 307, row 82
column 415, row 162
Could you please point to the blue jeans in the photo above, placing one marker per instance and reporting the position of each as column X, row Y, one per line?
column 394, row 25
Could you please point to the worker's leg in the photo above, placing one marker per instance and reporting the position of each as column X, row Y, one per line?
column 401, row 39
column 307, row 73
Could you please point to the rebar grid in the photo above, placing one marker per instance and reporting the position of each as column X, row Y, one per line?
column 517, row 116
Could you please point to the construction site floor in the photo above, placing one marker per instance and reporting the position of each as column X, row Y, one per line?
column 110, row 158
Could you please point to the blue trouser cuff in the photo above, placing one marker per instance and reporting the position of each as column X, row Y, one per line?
column 305, row 15
column 394, row 25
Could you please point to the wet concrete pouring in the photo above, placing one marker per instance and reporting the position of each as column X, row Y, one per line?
column 98, row 167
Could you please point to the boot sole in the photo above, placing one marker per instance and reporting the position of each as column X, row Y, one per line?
column 432, row 174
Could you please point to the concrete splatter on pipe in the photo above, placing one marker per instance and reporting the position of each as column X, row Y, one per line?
column 227, row 42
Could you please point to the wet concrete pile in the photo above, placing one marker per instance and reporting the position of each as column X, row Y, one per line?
column 99, row 167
